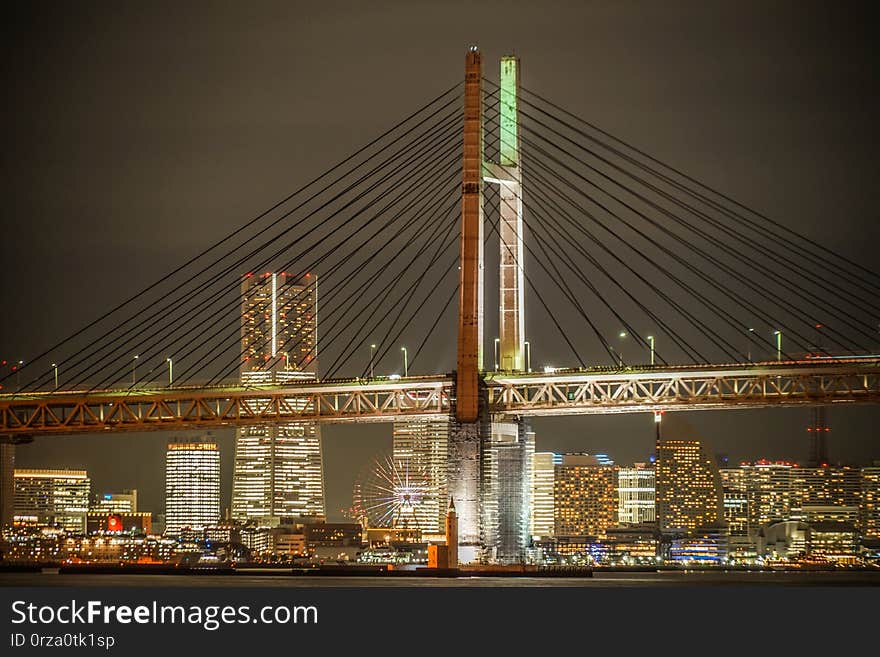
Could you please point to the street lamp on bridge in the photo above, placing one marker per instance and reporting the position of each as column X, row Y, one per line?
column 55, row 369
column 778, row 335
column 651, row 340
column 170, row 371
column 133, row 366
column 372, row 351
column 405, row 362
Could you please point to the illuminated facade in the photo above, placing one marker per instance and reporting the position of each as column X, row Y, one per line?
column 53, row 497
column 585, row 496
column 421, row 446
column 770, row 489
column 828, row 486
column 688, row 486
column 734, row 486
column 122, row 502
column 869, row 502
column 278, row 470
column 543, row 476
column 506, row 489
column 192, row 485
column 636, row 493
column 7, row 484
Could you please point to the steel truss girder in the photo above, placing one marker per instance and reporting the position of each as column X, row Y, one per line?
column 180, row 409
column 694, row 387
column 681, row 389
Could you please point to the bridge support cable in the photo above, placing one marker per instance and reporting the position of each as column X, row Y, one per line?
column 369, row 280
column 728, row 293
column 359, row 335
column 413, row 199
column 346, row 166
column 774, row 260
column 375, row 303
column 808, row 249
column 398, row 174
column 543, row 302
column 544, row 221
column 330, row 293
column 539, row 191
column 562, row 284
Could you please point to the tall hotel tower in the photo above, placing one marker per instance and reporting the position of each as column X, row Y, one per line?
column 278, row 471
column 192, row 484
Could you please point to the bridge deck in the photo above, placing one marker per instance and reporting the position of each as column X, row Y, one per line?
column 560, row 392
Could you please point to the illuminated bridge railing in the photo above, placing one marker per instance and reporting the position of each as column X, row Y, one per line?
column 691, row 388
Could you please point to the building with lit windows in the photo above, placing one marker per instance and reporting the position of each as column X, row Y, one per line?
column 192, row 485
column 420, row 446
column 688, row 486
column 543, row 476
column 770, row 490
column 55, row 497
column 278, row 470
column 505, row 492
column 835, row 541
column 734, row 485
column 584, row 496
column 869, row 502
column 825, row 486
column 122, row 502
column 7, row 484
column 706, row 545
column 636, row 492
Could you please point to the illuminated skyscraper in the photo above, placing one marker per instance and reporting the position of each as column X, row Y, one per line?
column 734, row 487
column 278, row 471
column 192, row 485
column 542, row 492
column 688, row 486
column 636, row 494
column 770, row 492
column 53, row 496
column 585, row 496
column 869, row 502
column 506, row 490
column 421, row 446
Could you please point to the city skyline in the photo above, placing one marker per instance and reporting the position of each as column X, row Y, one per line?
column 497, row 516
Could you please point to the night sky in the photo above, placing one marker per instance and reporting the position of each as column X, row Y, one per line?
column 134, row 136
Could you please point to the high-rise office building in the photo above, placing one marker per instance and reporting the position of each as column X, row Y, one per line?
column 688, row 486
column 869, row 502
column 770, row 491
column 192, row 485
column 53, row 496
column 585, row 496
column 420, row 447
column 121, row 502
column 278, row 470
column 543, row 476
column 825, row 486
column 734, row 486
column 636, row 493
column 506, row 490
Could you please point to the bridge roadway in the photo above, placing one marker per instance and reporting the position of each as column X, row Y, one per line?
column 560, row 392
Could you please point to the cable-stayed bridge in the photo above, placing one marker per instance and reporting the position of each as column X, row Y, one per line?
column 601, row 238
column 647, row 289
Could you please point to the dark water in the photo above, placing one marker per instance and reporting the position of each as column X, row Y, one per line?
column 599, row 580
